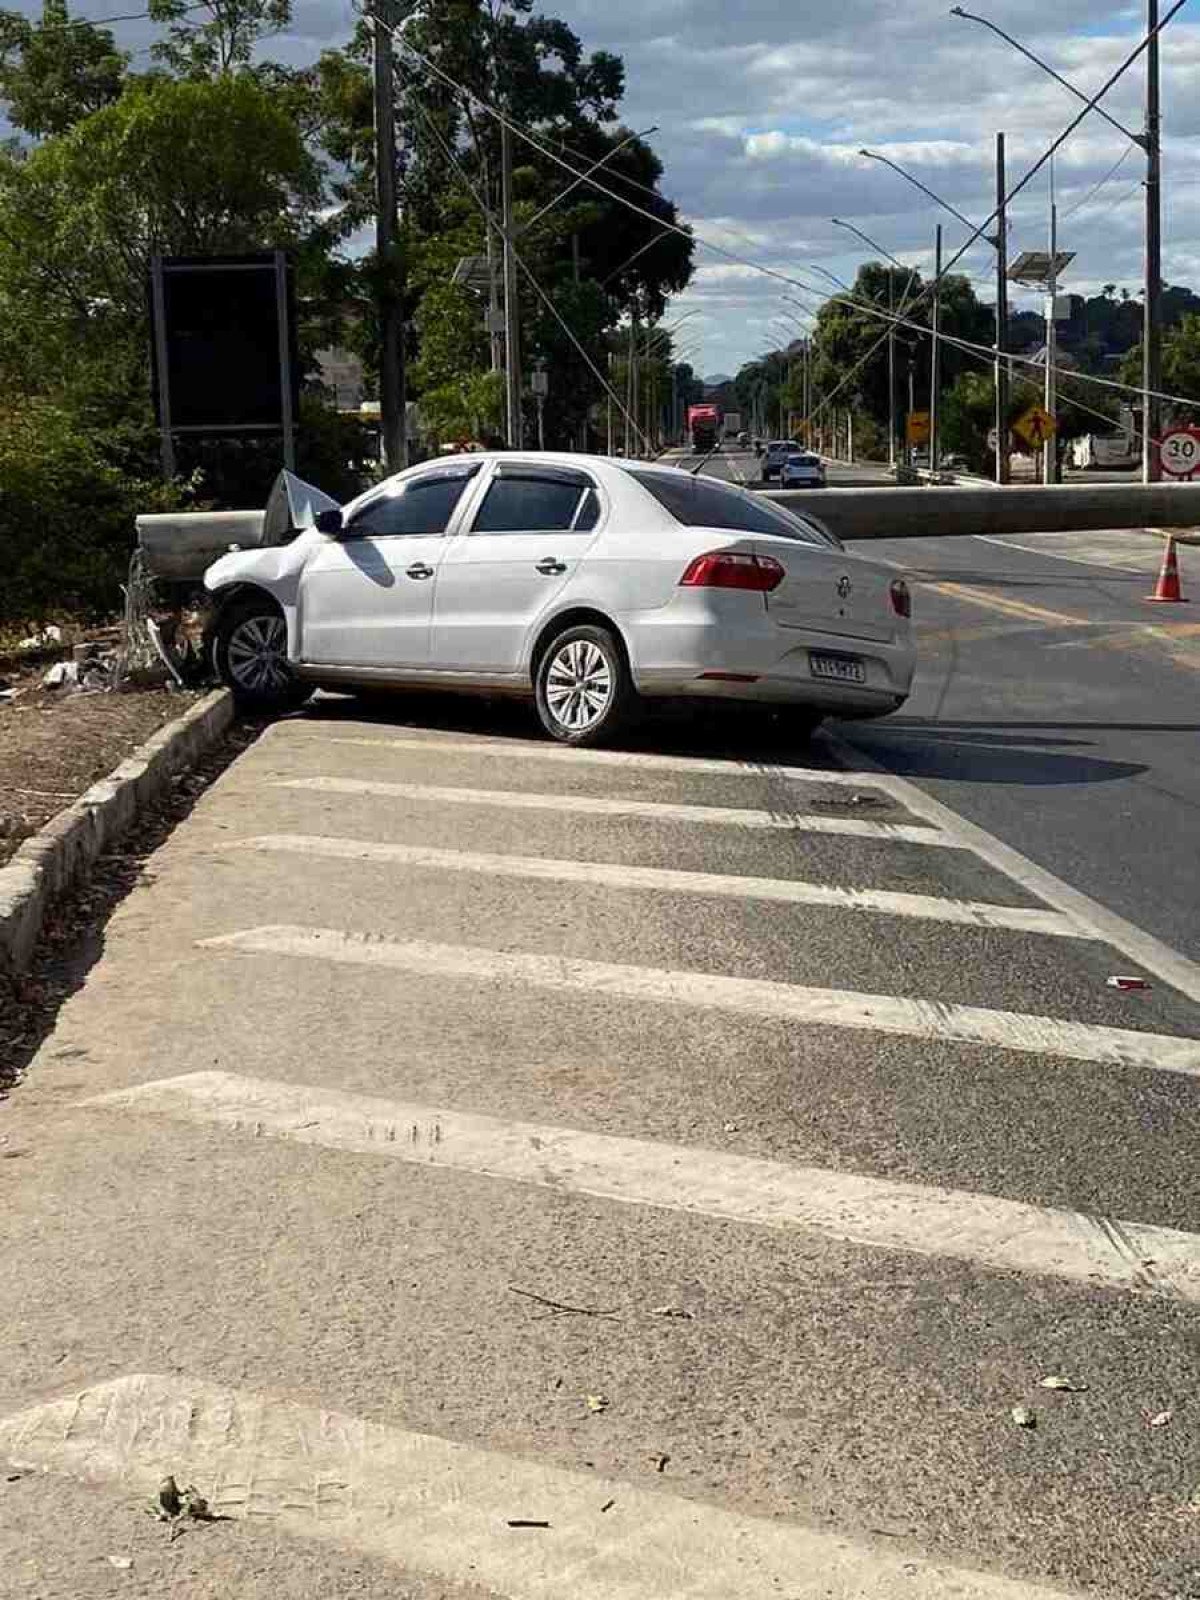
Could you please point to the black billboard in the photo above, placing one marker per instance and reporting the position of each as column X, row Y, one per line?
column 223, row 343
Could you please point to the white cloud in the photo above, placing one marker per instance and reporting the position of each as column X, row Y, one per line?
column 763, row 108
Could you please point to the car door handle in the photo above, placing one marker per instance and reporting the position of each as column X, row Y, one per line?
column 551, row 566
column 419, row 570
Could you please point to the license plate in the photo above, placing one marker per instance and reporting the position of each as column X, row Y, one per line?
column 845, row 669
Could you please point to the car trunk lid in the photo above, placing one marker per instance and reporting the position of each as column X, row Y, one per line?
column 829, row 591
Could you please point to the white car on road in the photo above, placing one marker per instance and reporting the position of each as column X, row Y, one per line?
column 802, row 470
column 582, row 582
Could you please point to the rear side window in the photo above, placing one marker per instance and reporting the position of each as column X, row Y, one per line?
column 425, row 506
column 704, row 503
column 538, row 502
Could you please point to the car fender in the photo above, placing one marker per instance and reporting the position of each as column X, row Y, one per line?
column 276, row 570
column 565, row 605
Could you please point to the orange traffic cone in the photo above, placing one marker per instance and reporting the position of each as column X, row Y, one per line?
column 1167, row 587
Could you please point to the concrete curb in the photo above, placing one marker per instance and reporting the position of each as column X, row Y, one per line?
column 55, row 857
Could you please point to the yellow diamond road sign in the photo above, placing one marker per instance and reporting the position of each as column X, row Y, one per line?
column 1035, row 426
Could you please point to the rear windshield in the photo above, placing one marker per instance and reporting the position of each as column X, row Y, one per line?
column 706, row 503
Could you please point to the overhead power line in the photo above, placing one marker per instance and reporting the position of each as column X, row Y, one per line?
column 782, row 277
column 493, row 222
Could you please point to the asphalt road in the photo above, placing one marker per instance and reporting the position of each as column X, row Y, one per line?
column 484, row 1169
column 1054, row 706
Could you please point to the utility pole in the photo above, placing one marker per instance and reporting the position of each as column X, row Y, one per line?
column 512, row 312
column 935, row 373
column 631, row 384
column 494, row 318
column 1049, row 448
column 1001, row 374
column 393, row 429
column 891, row 370
column 1152, row 310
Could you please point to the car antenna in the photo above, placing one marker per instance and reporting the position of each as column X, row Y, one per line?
column 704, row 460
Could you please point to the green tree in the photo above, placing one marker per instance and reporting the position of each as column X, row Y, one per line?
column 216, row 36
column 164, row 169
column 851, row 348
column 1180, row 364
column 56, row 71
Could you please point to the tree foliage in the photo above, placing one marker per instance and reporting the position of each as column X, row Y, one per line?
column 216, row 36
column 56, row 71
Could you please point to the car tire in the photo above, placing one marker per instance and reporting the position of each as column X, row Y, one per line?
column 583, row 687
column 249, row 653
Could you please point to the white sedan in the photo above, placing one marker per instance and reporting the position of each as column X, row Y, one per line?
column 802, row 470
column 582, row 582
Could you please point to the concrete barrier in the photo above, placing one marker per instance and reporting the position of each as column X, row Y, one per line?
column 54, row 859
column 950, row 512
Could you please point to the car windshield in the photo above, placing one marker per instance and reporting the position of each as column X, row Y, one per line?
column 707, row 503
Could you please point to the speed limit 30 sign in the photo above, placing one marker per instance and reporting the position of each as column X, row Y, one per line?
column 1179, row 452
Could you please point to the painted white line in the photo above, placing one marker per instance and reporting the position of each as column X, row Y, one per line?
column 1154, row 955
column 831, row 1008
column 604, row 806
column 613, row 875
column 446, row 1510
column 563, row 755
column 1053, row 555
column 999, row 1234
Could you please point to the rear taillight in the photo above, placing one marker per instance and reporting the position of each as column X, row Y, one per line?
column 901, row 598
column 733, row 569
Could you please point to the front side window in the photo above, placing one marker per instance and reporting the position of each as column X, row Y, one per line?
column 705, row 503
column 538, row 502
column 424, row 506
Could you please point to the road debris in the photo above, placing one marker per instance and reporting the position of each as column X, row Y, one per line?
column 560, row 1307
column 1159, row 1419
column 672, row 1311
column 122, row 1563
column 1024, row 1417
column 597, row 1402
column 42, row 639
column 180, row 1506
column 607, row 1506
column 526, row 1522
column 1127, row 985
column 660, row 1461
column 731, row 1127
column 1064, row 1385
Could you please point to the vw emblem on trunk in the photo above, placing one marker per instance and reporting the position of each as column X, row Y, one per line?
column 844, row 587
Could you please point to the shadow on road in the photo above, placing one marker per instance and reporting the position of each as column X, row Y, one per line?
column 733, row 732
column 971, row 753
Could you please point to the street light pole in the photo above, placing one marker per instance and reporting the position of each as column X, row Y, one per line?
column 394, row 433
column 1001, row 375
column 1150, row 141
column 1152, row 309
column 1049, row 448
column 512, row 316
column 935, row 375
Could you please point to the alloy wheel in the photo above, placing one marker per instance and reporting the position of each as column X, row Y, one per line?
column 579, row 685
column 257, row 654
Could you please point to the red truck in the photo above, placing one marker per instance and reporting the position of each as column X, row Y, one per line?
column 704, row 425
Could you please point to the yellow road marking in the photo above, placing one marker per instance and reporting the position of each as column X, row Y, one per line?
column 1010, row 607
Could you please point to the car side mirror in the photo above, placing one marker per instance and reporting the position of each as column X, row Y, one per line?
column 330, row 521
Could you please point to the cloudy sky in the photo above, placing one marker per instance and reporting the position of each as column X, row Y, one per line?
column 763, row 106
